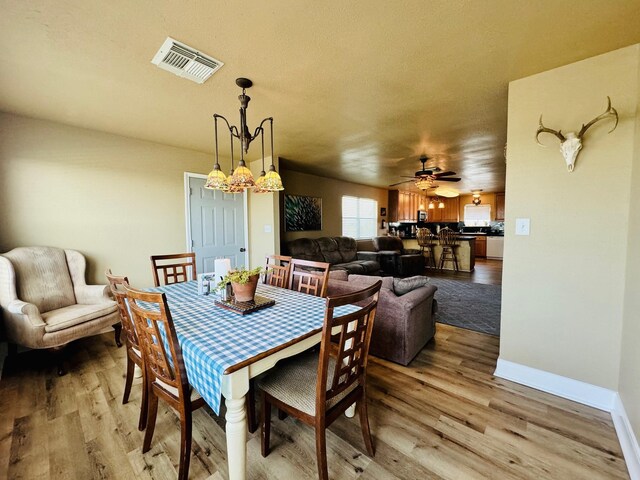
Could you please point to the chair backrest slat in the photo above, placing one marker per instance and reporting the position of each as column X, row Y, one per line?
column 173, row 272
column 309, row 277
column 448, row 237
column 276, row 271
column 117, row 285
column 158, row 339
column 352, row 346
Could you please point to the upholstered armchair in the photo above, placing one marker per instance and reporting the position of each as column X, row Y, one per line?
column 46, row 302
column 395, row 259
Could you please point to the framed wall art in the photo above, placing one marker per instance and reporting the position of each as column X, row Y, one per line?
column 302, row 213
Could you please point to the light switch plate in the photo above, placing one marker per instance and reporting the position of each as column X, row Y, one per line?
column 267, row 229
column 523, row 226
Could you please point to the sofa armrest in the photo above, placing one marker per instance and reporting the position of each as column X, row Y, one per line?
column 408, row 301
column 367, row 256
column 20, row 310
column 92, row 294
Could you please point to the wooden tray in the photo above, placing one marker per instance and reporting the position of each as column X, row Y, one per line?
column 243, row 308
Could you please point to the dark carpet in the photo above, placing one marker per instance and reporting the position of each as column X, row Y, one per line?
column 473, row 306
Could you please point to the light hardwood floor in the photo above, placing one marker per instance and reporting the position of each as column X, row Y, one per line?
column 444, row 417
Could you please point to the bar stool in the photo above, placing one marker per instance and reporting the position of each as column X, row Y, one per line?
column 449, row 242
column 427, row 241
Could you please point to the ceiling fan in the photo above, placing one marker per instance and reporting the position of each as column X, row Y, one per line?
column 427, row 176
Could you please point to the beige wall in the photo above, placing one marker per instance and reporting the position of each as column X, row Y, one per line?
column 264, row 220
column 630, row 354
column 115, row 199
column 331, row 191
column 485, row 198
column 564, row 285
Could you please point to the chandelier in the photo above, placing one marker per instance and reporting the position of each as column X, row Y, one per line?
column 241, row 178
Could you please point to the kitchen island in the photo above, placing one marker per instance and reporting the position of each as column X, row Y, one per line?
column 465, row 251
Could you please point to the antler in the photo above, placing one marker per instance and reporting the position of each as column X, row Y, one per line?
column 543, row 129
column 610, row 111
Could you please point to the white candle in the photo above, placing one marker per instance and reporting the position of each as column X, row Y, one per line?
column 222, row 267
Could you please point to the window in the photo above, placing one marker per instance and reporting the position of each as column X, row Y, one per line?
column 359, row 217
column 477, row 215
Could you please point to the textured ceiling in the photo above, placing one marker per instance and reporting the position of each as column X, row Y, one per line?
column 358, row 89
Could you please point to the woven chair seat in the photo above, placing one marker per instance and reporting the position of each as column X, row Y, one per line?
column 294, row 383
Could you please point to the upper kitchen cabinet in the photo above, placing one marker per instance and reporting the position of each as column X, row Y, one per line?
column 403, row 206
column 449, row 214
column 500, row 207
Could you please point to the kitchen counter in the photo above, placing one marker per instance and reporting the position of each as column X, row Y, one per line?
column 465, row 251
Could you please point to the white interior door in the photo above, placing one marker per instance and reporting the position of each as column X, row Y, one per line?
column 217, row 225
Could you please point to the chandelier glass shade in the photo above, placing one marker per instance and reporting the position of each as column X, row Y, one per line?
column 241, row 178
column 216, row 179
column 441, row 204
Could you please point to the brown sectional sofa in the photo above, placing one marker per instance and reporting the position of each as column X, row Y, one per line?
column 341, row 252
column 403, row 325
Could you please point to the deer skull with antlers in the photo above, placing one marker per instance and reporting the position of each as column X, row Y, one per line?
column 571, row 143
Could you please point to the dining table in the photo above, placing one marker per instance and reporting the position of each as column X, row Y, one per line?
column 223, row 349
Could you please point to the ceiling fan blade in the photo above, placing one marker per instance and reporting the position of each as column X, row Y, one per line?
column 400, row 183
column 448, row 179
column 445, row 174
column 406, row 176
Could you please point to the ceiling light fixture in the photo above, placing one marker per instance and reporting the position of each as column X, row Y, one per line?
column 424, row 183
column 476, row 197
column 241, row 178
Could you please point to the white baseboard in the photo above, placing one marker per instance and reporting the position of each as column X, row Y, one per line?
column 581, row 392
column 627, row 439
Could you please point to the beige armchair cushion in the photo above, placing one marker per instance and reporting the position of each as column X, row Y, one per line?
column 42, row 277
column 67, row 317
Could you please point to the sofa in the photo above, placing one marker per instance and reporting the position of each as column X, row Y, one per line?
column 396, row 260
column 403, row 325
column 341, row 252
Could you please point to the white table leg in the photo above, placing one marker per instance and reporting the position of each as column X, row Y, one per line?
column 234, row 388
column 351, row 411
column 236, row 438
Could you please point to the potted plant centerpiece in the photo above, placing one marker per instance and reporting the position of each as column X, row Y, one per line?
column 244, row 283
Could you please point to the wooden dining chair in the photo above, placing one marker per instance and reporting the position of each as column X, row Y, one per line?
column 166, row 374
column 309, row 277
column 276, row 271
column 134, row 352
column 174, row 268
column 317, row 389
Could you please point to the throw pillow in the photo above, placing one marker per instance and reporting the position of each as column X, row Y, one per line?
column 402, row 286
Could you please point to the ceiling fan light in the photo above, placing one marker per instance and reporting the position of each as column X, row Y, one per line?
column 423, row 183
column 272, row 181
column 242, row 177
column 216, row 179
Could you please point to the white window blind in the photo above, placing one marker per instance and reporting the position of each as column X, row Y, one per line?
column 359, row 217
column 477, row 215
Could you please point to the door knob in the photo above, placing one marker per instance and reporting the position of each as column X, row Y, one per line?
column 243, row 249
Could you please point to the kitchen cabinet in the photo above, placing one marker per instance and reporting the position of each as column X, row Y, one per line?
column 500, row 207
column 450, row 212
column 403, row 206
column 481, row 246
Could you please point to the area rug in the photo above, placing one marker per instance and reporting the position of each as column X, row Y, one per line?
column 474, row 306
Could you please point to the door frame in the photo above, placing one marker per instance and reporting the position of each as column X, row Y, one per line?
column 187, row 215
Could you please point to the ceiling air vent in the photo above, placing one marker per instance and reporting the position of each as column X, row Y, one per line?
column 185, row 61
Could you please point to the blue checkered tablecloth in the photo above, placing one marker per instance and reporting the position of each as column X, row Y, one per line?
column 213, row 338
